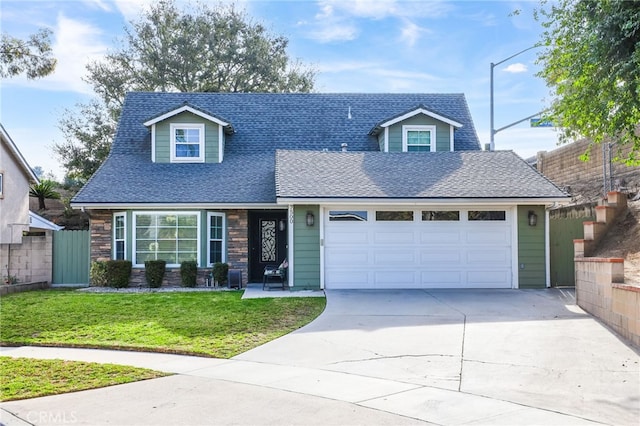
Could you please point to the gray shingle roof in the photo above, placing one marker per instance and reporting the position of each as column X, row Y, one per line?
column 470, row 174
column 263, row 123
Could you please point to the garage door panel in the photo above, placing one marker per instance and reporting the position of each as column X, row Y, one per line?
column 484, row 279
column 435, row 256
column 447, row 237
column 344, row 236
column 491, row 235
column 393, row 237
column 347, row 258
column 476, row 256
column 434, row 279
column 390, row 279
column 393, row 257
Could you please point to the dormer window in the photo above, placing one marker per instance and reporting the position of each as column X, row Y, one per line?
column 418, row 138
column 187, row 143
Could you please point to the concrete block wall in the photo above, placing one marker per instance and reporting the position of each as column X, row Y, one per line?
column 600, row 287
column 564, row 167
column 31, row 261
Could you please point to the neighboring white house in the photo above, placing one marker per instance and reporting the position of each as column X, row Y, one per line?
column 25, row 237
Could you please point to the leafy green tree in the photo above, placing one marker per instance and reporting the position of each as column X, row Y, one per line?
column 592, row 64
column 199, row 48
column 87, row 140
column 43, row 190
column 32, row 56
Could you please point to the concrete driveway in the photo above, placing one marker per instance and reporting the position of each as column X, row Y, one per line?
column 499, row 357
column 532, row 348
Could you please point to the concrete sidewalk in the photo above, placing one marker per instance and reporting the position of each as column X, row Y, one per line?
column 394, row 357
column 214, row 391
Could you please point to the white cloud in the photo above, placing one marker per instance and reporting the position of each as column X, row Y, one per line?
column 379, row 9
column 516, row 68
column 76, row 44
column 131, row 9
column 342, row 66
column 334, row 31
column 336, row 19
column 99, row 4
column 411, row 32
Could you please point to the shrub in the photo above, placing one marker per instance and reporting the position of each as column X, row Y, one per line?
column 189, row 273
column 220, row 272
column 118, row 272
column 98, row 274
column 154, row 272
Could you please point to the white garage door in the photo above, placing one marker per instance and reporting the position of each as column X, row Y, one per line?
column 421, row 248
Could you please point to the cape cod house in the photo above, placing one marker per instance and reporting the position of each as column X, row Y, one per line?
column 354, row 190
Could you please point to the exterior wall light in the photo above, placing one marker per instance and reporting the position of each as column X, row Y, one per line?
column 533, row 218
column 282, row 225
column 311, row 219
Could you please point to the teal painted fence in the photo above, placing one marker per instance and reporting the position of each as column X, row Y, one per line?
column 71, row 257
column 565, row 225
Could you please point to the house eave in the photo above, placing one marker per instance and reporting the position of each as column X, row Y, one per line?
column 173, row 206
column 187, row 108
column 547, row 201
column 413, row 113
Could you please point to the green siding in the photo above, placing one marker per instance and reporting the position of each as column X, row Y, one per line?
column 531, row 249
column 163, row 138
column 442, row 132
column 306, row 249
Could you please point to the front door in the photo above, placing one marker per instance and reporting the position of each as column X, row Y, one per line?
column 267, row 241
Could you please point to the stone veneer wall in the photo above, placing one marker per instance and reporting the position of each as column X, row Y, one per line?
column 237, row 246
column 238, row 242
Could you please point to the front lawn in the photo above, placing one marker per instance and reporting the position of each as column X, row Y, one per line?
column 30, row 378
column 216, row 324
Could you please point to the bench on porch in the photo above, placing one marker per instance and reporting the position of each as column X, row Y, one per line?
column 275, row 276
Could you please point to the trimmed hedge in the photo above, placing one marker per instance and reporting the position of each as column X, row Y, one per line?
column 154, row 272
column 118, row 273
column 98, row 274
column 189, row 273
column 220, row 272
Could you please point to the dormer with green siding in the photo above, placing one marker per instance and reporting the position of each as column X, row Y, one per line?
column 417, row 130
column 188, row 134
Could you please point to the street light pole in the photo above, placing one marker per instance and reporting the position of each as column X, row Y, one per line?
column 492, row 66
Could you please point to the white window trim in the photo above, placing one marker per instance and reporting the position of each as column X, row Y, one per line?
column 134, row 257
column 113, row 251
column 1, row 184
column 407, row 128
column 172, row 129
column 224, row 236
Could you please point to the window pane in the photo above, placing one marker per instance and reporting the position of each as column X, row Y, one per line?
column 440, row 215
column 216, row 227
column 119, row 250
column 418, row 137
column 215, row 251
column 482, row 215
column 394, row 216
column 418, row 148
column 347, row 215
column 167, row 237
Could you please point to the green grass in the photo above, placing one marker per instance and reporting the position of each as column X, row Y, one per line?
column 216, row 324
column 22, row 378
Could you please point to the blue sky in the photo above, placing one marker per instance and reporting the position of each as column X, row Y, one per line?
column 356, row 46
